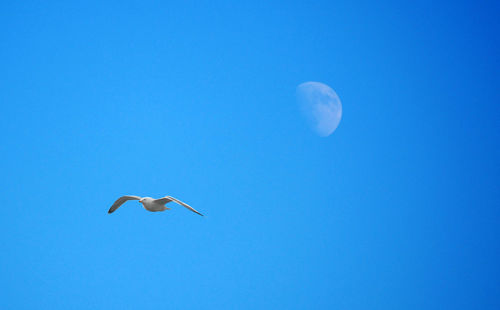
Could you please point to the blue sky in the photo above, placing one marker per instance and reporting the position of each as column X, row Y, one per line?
column 397, row 209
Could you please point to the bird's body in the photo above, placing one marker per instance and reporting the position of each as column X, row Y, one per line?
column 150, row 204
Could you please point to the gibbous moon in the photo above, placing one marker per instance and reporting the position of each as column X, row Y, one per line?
column 321, row 107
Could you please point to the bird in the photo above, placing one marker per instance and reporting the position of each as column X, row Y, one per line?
column 150, row 204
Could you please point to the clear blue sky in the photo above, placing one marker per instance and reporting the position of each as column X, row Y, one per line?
column 398, row 209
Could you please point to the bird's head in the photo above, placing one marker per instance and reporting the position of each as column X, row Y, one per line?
column 144, row 199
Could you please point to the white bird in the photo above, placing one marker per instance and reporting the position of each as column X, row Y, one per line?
column 150, row 204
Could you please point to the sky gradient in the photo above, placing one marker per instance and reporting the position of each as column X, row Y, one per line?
column 397, row 209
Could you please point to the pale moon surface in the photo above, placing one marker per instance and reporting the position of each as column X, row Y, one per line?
column 321, row 107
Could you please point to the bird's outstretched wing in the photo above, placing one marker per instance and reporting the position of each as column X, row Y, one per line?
column 168, row 199
column 121, row 201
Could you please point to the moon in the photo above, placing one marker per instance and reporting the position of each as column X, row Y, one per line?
column 321, row 107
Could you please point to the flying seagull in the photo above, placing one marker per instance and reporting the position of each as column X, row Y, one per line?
column 150, row 204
